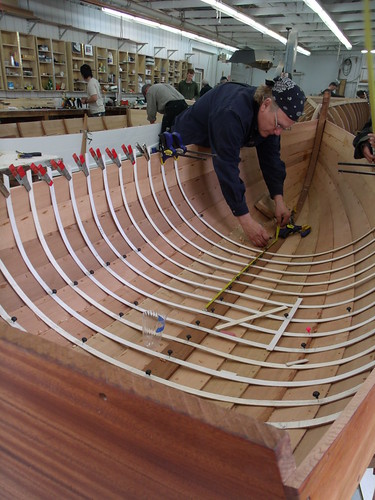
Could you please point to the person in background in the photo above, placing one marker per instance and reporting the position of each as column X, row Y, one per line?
column 332, row 88
column 364, row 144
column 223, row 79
column 187, row 87
column 205, row 87
column 94, row 97
column 361, row 94
column 233, row 116
column 164, row 99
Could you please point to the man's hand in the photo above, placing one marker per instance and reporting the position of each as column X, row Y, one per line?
column 254, row 231
column 282, row 212
column 368, row 149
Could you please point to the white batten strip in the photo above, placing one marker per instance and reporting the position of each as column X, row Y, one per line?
column 239, row 321
column 285, row 323
column 8, row 319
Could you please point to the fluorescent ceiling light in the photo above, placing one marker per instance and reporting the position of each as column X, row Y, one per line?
column 176, row 31
column 364, row 51
column 313, row 4
column 225, row 9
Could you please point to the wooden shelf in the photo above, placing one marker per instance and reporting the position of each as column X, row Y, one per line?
column 40, row 63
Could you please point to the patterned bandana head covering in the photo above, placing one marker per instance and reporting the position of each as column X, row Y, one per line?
column 289, row 97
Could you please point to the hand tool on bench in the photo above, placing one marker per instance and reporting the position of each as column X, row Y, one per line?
column 128, row 153
column 41, row 172
column 28, row 155
column 20, row 175
column 81, row 163
column 60, row 167
column 97, row 157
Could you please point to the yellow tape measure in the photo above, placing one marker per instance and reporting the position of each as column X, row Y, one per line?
column 243, row 270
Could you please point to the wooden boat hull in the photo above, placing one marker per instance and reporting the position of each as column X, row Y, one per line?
column 260, row 393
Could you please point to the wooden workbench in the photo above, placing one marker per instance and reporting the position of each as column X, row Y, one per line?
column 18, row 115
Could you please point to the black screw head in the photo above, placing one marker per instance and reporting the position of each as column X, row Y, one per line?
column 138, row 249
column 84, row 339
column 303, row 345
column 169, row 352
column 124, row 256
column 121, row 314
column 148, row 372
column 107, row 263
column 135, row 302
column 221, row 298
column 75, row 283
column 316, row 394
column 286, row 315
column 230, row 287
column 212, row 309
column 54, row 290
column 188, row 336
column 198, row 322
column 14, row 319
column 349, row 309
column 91, row 271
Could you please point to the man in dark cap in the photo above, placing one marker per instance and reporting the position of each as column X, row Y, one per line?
column 164, row 99
column 234, row 115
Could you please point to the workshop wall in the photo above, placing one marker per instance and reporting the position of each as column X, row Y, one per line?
column 91, row 26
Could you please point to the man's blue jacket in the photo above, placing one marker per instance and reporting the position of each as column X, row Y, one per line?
column 225, row 119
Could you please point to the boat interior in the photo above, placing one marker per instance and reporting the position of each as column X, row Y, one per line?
column 262, row 383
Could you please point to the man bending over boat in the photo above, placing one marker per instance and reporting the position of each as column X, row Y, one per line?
column 364, row 144
column 233, row 116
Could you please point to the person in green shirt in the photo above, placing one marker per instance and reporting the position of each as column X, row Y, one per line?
column 188, row 88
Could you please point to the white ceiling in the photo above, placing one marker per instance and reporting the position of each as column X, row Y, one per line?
column 277, row 15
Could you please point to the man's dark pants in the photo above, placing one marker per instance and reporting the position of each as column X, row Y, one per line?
column 172, row 109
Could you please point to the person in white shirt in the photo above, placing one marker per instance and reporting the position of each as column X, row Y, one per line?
column 94, row 97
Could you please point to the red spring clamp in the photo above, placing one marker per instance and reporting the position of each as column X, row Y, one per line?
column 20, row 176
column 41, row 172
column 60, row 167
column 81, row 163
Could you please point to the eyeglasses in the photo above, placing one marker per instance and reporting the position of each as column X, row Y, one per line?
column 278, row 126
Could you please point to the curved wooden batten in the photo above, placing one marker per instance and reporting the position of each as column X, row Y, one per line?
column 289, row 343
